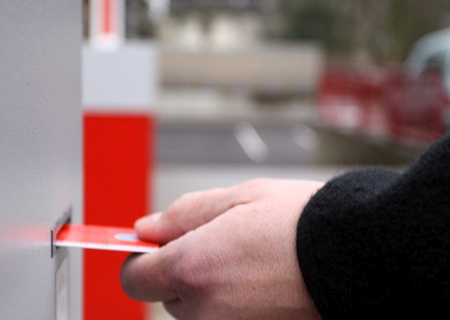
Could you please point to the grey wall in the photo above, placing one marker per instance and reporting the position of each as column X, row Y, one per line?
column 40, row 151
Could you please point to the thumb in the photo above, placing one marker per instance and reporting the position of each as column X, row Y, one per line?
column 189, row 212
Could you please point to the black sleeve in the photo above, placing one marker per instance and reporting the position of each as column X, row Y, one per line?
column 375, row 244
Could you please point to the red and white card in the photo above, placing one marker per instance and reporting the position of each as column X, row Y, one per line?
column 102, row 238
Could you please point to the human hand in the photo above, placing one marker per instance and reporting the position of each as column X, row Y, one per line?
column 228, row 254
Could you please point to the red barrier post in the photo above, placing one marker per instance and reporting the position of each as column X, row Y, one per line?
column 119, row 89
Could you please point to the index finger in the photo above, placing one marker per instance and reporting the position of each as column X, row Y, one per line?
column 187, row 213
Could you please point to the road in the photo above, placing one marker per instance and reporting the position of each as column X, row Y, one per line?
column 272, row 143
column 235, row 143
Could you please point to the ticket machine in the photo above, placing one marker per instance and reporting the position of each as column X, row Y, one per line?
column 40, row 157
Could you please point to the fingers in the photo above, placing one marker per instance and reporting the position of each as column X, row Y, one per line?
column 146, row 277
column 187, row 213
column 179, row 270
column 151, row 277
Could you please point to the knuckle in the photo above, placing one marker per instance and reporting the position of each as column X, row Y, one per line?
column 182, row 202
column 257, row 183
column 188, row 197
column 256, row 187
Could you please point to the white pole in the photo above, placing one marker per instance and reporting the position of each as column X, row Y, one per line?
column 107, row 24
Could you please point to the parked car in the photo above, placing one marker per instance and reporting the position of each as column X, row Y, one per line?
column 406, row 104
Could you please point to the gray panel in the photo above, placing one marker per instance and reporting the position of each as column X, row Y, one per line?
column 40, row 149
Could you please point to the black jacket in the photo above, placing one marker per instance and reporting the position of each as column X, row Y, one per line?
column 375, row 244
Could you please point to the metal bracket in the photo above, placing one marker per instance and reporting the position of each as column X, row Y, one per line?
column 64, row 219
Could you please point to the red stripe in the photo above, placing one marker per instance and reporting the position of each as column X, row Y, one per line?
column 107, row 16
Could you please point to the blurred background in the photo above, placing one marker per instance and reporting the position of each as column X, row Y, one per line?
column 302, row 89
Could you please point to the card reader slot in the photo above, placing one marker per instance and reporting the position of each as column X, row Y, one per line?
column 64, row 219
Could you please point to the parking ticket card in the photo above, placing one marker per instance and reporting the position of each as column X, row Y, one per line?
column 102, row 238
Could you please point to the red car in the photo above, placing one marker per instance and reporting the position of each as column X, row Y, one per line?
column 407, row 104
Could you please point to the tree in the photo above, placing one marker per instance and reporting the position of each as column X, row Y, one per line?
column 380, row 29
column 317, row 20
column 412, row 19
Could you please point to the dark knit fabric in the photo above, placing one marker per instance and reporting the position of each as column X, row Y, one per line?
column 375, row 244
